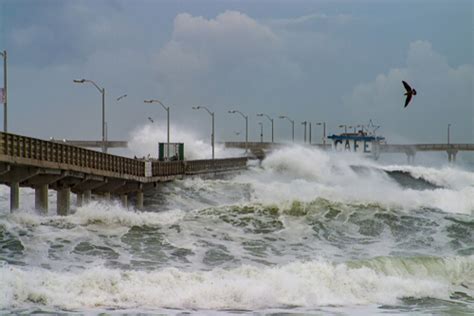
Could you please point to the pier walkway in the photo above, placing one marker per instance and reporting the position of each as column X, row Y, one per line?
column 43, row 165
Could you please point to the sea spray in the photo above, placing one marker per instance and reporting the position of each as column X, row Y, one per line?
column 144, row 141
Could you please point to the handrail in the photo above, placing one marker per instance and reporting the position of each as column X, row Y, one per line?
column 169, row 168
column 17, row 146
column 38, row 149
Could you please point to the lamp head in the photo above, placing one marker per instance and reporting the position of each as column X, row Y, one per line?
column 79, row 81
column 282, row 117
column 232, row 111
column 147, row 101
column 260, row 114
column 196, row 107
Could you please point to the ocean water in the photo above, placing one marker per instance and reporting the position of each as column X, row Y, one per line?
column 304, row 232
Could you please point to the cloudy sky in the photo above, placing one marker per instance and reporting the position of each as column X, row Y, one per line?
column 336, row 61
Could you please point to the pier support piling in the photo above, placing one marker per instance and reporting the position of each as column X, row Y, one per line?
column 106, row 196
column 41, row 198
column 452, row 155
column 139, row 200
column 14, row 196
column 124, row 200
column 87, row 196
column 79, row 199
column 63, row 201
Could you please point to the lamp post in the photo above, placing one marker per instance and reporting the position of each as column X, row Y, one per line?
column 5, row 117
column 310, row 132
column 345, row 127
column 292, row 126
column 102, row 91
column 271, row 120
column 304, row 123
column 261, row 131
column 246, row 128
column 324, row 131
column 449, row 126
column 167, row 109
column 212, row 119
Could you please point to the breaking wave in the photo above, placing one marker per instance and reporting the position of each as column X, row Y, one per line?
column 382, row 280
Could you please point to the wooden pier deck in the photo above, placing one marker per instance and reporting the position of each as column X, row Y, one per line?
column 43, row 165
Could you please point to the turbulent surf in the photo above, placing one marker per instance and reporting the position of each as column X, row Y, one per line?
column 302, row 232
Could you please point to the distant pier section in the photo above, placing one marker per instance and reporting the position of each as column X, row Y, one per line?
column 44, row 165
column 260, row 149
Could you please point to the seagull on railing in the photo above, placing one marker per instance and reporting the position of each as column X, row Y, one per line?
column 410, row 92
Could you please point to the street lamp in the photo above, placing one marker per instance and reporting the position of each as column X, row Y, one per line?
column 345, row 127
column 310, row 133
column 4, row 94
column 246, row 127
column 271, row 120
column 324, row 131
column 292, row 126
column 102, row 91
column 449, row 126
column 212, row 119
column 168, row 124
column 261, row 131
column 304, row 123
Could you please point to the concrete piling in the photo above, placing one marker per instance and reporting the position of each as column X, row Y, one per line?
column 106, row 196
column 87, row 196
column 41, row 198
column 14, row 196
column 79, row 199
column 139, row 200
column 63, row 201
column 124, row 200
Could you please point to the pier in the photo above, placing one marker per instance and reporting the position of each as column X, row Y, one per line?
column 259, row 149
column 44, row 165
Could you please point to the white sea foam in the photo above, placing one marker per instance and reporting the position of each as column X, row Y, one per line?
column 97, row 213
column 304, row 174
column 303, row 284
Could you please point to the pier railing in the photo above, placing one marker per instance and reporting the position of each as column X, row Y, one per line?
column 171, row 168
column 17, row 146
column 38, row 152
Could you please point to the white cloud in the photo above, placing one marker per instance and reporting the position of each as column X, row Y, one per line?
column 199, row 46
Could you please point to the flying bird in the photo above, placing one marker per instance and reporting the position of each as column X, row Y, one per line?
column 150, row 119
column 410, row 93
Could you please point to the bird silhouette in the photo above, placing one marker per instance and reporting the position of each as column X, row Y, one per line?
column 410, row 93
column 150, row 119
